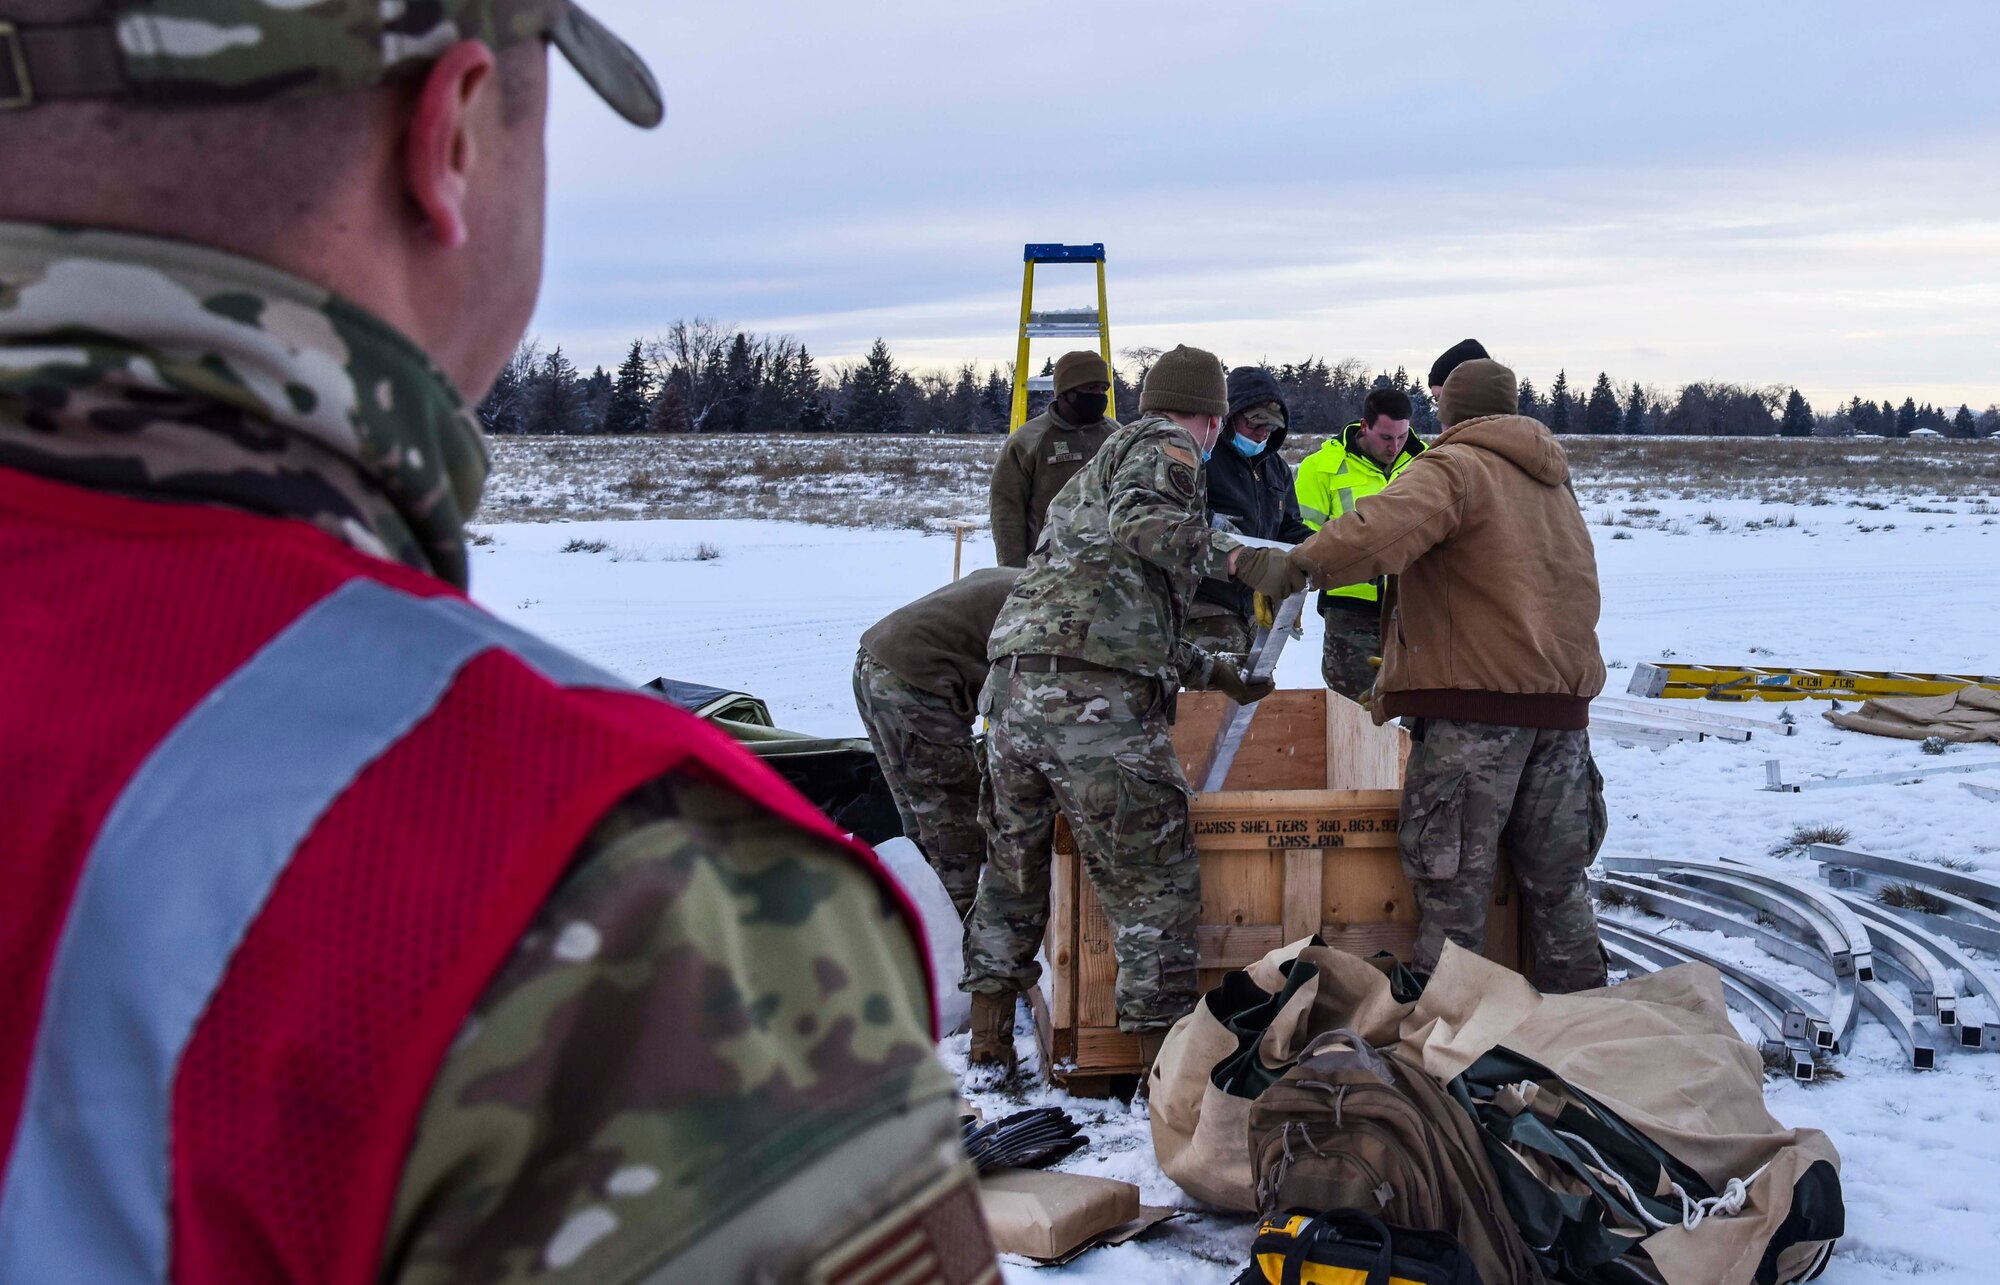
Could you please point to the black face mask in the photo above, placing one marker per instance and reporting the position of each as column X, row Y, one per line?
column 1085, row 408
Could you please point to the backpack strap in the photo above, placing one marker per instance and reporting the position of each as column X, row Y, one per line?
column 1328, row 1229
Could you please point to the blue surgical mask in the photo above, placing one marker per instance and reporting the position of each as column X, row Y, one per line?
column 1207, row 455
column 1248, row 449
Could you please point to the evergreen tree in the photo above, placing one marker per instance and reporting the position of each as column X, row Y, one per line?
column 872, row 403
column 509, row 403
column 1798, row 420
column 1963, row 425
column 596, row 392
column 1635, row 412
column 631, row 394
column 809, row 393
column 1600, row 413
column 558, row 403
column 1423, row 415
column 1906, row 418
column 1559, row 403
column 999, row 400
column 669, row 412
column 1528, row 402
column 738, row 389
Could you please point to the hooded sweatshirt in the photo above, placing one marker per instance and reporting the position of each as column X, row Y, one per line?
column 1493, row 617
column 1257, row 495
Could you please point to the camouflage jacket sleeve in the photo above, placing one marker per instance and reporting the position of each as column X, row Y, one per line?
column 708, row 1060
column 1008, row 503
column 1157, row 509
column 1197, row 667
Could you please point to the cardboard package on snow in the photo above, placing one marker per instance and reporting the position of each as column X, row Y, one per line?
column 1051, row 1217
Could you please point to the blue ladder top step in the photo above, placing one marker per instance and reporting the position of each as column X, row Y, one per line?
column 1050, row 252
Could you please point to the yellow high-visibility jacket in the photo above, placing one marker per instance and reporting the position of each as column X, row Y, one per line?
column 1333, row 477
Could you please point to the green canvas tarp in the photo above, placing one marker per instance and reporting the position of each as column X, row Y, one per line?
column 838, row 774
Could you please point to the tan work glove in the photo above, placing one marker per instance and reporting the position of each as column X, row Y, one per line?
column 1229, row 680
column 1270, row 572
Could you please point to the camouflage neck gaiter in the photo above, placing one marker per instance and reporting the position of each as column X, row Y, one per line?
column 167, row 371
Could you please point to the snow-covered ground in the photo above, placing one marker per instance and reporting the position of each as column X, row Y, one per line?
column 1914, row 586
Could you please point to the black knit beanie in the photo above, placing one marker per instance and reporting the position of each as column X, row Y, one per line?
column 1463, row 350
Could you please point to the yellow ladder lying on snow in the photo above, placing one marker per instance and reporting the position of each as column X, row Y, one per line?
column 1780, row 683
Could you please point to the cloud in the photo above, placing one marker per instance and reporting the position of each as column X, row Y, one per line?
column 1786, row 193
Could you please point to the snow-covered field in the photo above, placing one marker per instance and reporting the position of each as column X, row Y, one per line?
column 1914, row 585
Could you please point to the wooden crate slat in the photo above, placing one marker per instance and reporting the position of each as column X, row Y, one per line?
column 1304, row 898
column 1285, row 746
column 1061, row 938
column 1360, row 755
column 1226, row 946
column 1096, row 961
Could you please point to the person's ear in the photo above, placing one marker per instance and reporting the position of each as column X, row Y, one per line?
column 441, row 151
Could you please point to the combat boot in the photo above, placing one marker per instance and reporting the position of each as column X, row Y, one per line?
column 992, row 1054
column 1150, row 1043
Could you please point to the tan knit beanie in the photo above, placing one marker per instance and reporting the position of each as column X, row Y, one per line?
column 1477, row 388
column 1074, row 368
column 1187, row 380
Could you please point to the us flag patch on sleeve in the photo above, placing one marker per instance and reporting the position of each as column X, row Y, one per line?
column 937, row 1237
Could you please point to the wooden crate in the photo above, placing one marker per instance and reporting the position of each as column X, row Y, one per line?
column 1311, row 848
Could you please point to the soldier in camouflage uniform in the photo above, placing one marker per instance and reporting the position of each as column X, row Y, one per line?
column 709, row 1057
column 1088, row 655
column 916, row 683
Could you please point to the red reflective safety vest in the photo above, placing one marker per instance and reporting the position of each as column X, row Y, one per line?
column 274, row 814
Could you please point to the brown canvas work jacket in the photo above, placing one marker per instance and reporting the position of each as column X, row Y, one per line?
column 1038, row 460
column 1493, row 617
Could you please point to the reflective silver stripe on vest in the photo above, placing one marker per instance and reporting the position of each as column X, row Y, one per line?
column 180, row 870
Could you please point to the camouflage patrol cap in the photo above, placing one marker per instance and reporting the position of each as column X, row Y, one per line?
column 195, row 51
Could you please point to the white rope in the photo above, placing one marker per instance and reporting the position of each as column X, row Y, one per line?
column 1729, row 1202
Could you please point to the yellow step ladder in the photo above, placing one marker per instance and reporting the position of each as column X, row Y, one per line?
column 1782, row 683
column 1068, row 323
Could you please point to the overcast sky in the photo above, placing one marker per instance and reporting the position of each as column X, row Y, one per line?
column 1765, row 192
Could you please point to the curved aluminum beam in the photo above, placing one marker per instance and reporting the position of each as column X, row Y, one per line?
column 1815, row 910
column 1932, row 991
column 1970, row 886
column 1705, row 907
column 1700, row 907
column 1965, row 922
column 1804, row 1020
column 1795, row 1055
column 1889, row 1010
column 1821, row 900
column 1975, row 978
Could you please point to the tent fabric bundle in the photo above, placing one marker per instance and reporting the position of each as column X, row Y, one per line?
column 1967, row 715
column 1657, row 1050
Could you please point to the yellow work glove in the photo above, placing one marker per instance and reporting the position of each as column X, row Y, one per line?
column 1263, row 611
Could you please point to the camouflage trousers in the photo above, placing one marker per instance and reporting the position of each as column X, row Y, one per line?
column 1352, row 638
column 1222, row 633
column 1097, row 747
column 1472, row 787
column 934, row 771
